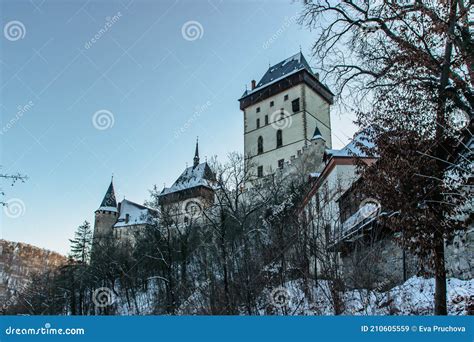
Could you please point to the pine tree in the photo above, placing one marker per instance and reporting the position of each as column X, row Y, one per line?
column 81, row 244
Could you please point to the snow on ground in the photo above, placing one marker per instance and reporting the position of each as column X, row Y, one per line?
column 414, row 297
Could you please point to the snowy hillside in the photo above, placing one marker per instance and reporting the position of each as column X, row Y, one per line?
column 414, row 297
column 18, row 262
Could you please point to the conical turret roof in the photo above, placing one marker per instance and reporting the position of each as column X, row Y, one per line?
column 109, row 202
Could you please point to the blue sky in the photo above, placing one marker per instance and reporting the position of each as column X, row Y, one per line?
column 154, row 85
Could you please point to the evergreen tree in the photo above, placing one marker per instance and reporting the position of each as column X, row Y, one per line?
column 82, row 243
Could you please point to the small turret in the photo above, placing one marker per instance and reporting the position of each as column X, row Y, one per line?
column 317, row 135
column 107, row 214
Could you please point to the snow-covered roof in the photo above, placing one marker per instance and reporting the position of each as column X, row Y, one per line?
column 193, row 176
column 366, row 211
column 353, row 149
column 136, row 214
column 281, row 70
column 105, row 208
column 317, row 134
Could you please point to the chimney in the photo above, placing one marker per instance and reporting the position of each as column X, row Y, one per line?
column 253, row 84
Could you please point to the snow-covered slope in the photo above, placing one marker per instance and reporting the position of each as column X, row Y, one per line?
column 414, row 297
column 18, row 262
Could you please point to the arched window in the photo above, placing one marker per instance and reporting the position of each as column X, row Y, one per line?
column 279, row 138
column 260, row 145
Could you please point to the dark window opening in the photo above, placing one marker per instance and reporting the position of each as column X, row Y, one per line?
column 281, row 162
column 272, row 103
column 266, row 119
column 258, row 109
column 295, row 105
column 258, row 123
column 286, row 98
column 260, row 145
column 260, row 171
column 279, row 136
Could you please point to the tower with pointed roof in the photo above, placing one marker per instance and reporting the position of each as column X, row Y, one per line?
column 106, row 215
column 196, row 154
column 287, row 110
column 191, row 193
column 121, row 221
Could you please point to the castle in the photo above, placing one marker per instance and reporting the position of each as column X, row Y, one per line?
column 287, row 133
column 286, row 121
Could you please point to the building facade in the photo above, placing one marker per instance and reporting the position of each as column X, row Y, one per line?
column 121, row 221
column 281, row 113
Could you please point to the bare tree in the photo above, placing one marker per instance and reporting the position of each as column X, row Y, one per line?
column 383, row 49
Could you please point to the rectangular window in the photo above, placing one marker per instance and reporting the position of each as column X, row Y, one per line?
column 272, row 103
column 295, row 105
column 279, row 136
column 281, row 162
column 266, row 119
column 258, row 123
column 286, row 98
column 260, row 171
column 258, row 109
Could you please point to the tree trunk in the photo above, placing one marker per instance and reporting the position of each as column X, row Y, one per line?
column 440, row 270
column 440, row 277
